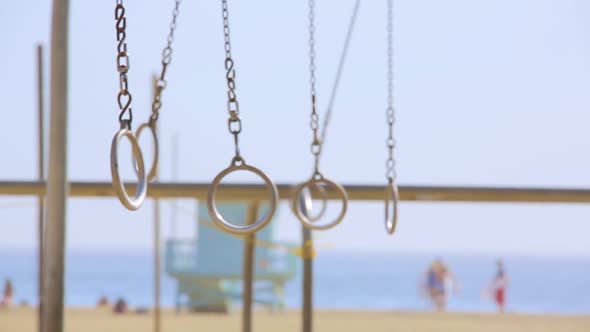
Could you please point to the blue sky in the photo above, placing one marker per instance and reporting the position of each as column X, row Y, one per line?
column 487, row 93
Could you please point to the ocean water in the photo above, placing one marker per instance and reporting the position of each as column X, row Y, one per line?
column 342, row 281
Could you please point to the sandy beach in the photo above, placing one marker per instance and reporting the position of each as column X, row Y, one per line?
column 98, row 320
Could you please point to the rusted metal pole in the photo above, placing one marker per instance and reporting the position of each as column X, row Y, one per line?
column 57, row 183
column 41, row 177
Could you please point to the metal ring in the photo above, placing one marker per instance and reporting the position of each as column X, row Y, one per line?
column 306, row 221
column 308, row 201
column 154, row 168
column 391, row 193
column 217, row 217
column 118, row 185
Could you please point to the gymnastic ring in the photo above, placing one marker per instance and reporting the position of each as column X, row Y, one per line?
column 308, row 202
column 118, row 185
column 391, row 194
column 238, row 164
column 154, row 168
column 315, row 181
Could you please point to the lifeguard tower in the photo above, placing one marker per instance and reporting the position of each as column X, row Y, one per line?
column 208, row 268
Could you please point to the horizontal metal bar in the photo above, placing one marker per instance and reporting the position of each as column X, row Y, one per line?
column 355, row 192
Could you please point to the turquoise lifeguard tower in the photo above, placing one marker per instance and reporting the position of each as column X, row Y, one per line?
column 208, row 268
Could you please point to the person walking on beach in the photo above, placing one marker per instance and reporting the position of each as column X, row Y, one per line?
column 439, row 280
column 498, row 286
column 7, row 294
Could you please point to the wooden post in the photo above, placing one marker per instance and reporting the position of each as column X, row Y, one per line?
column 157, row 252
column 307, row 244
column 248, row 269
column 57, row 185
column 41, row 177
column 157, row 267
column 173, row 211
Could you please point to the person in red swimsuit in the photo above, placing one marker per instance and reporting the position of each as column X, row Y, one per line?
column 499, row 286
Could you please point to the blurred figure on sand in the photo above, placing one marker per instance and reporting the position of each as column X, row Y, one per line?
column 438, row 281
column 498, row 286
column 120, row 306
column 102, row 302
column 7, row 294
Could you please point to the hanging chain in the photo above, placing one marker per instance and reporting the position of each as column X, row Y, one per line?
column 234, row 123
column 318, row 142
column 161, row 83
column 316, row 145
column 124, row 96
column 390, row 173
column 336, row 84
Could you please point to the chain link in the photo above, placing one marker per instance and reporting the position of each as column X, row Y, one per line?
column 312, row 46
column 225, row 15
column 234, row 123
column 124, row 96
column 161, row 83
column 390, row 173
column 316, row 144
